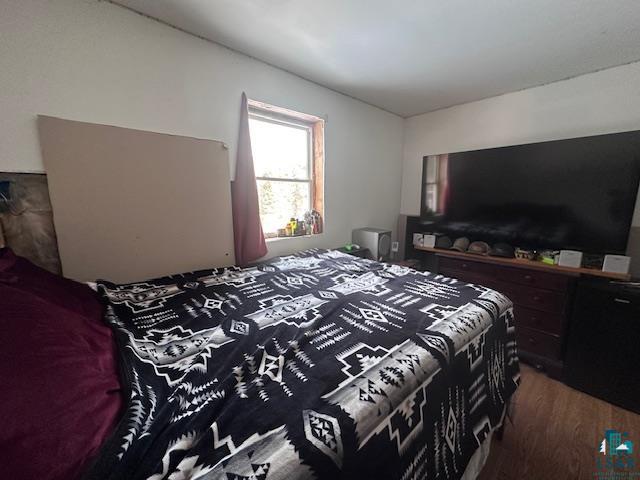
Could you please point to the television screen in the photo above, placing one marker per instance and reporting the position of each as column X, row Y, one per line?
column 567, row 194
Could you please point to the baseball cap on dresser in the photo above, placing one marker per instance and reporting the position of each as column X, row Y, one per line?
column 502, row 250
column 479, row 248
column 443, row 242
column 461, row 244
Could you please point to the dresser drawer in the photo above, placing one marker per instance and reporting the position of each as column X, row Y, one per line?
column 543, row 321
column 530, row 297
column 463, row 265
column 534, row 298
column 538, row 343
column 520, row 276
column 547, row 281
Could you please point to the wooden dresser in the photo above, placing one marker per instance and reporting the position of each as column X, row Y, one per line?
column 542, row 304
column 543, row 296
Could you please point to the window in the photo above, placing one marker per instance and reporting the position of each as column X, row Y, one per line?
column 288, row 156
column 434, row 184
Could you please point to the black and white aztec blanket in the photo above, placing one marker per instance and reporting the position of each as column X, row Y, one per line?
column 315, row 365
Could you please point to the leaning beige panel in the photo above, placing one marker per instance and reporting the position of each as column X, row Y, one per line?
column 129, row 205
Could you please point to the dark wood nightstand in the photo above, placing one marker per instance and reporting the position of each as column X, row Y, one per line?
column 356, row 252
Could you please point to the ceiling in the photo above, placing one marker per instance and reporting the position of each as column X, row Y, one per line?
column 415, row 56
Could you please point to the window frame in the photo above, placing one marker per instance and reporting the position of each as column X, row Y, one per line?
column 433, row 203
column 314, row 126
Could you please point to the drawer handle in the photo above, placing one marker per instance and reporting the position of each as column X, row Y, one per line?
column 528, row 278
column 464, row 265
column 622, row 300
column 536, row 298
column 531, row 341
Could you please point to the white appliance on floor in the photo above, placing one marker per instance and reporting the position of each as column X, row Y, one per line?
column 376, row 240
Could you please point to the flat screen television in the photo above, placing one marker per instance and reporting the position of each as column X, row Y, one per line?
column 566, row 194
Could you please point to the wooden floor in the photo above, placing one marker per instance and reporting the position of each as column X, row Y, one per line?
column 556, row 432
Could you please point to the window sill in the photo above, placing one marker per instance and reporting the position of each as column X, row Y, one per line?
column 297, row 237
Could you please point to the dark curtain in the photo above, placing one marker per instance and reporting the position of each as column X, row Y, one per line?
column 247, row 229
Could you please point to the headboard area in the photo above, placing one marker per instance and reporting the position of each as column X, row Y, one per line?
column 26, row 219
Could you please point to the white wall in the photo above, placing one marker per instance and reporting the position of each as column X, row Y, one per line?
column 602, row 102
column 97, row 62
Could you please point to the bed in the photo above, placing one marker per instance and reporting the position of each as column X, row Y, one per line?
column 314, row 365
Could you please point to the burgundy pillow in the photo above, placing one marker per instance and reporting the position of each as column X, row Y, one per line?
column 60, row 391
column 47, row 286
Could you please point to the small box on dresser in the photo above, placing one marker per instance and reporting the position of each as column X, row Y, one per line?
column 616, row 264
column 570, row 258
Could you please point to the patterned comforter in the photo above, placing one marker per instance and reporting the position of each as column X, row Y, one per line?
column 315, row 365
